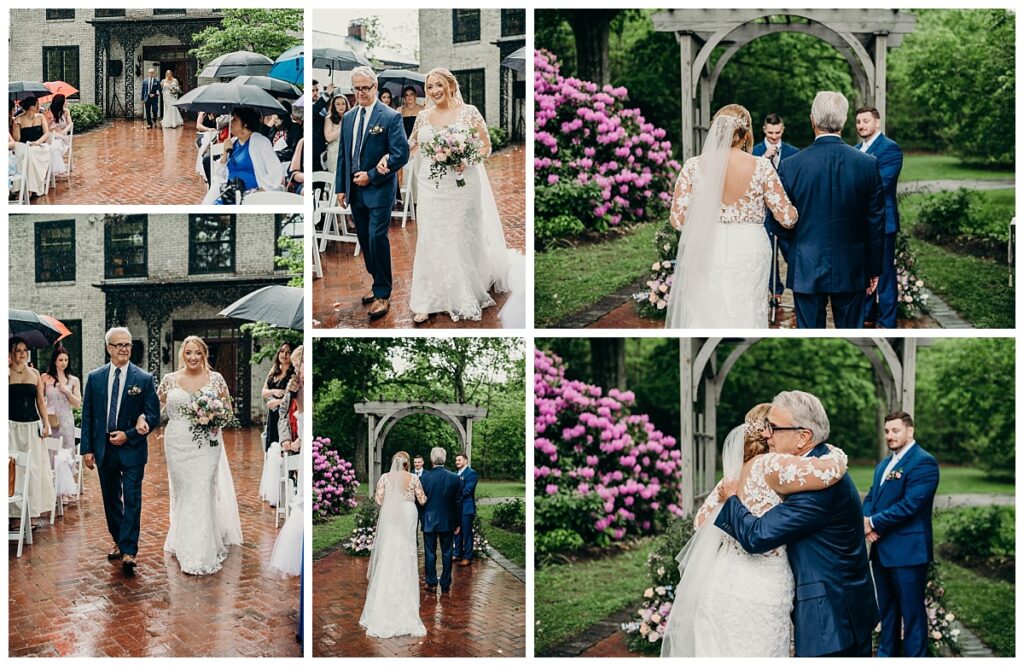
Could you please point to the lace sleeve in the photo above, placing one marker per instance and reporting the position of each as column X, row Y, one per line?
column 787, row 474
column 378, row 495
column 414, row 142
column 477, row 122
column 166, row 384
column 707, row 507
column 418, row 489
column 220, row 386
column 681, row 198
column 777, row 200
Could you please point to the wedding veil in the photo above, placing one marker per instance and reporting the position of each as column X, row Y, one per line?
column 696, row 560
column 389, row 516
column 686, row 306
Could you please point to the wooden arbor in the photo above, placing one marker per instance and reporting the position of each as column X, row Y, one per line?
column 381, row 417
column 701, row 378
column 862, row 37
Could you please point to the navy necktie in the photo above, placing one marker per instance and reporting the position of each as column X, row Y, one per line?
column 112, row 413
column 359, row 134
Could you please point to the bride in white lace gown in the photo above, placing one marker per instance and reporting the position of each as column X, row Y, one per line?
column 204, row 519
column 461, row 254
column 392, row 606
column 724, row 258
column 730, row 603
column 171, row 91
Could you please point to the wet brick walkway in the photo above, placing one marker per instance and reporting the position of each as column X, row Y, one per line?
column 336, row 296
column 483, row 616
column 66, row 599
column 123, row 163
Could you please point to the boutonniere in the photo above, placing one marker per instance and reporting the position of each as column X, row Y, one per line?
column 376, row 129
column 894, row 475
column 135, row 390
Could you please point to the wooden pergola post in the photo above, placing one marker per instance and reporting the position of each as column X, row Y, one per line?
column 686, row 397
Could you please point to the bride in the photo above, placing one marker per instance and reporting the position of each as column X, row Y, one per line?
column 203, row 510
column 723, row 588
column 392, row 606
column 460, row 245
column 171, row 90
column 724, row 257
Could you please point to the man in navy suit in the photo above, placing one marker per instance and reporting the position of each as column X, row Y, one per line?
column 775, row 149
column 835, row 250
column 440, row 518
column 469, row 478
column 370, row 131
column 835, row 610
column 151, row 96
column 898, row 523
column 882, row 308
column 114, row 398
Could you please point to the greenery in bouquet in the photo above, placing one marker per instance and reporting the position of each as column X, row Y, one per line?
column 449, row 148
column 208, row 412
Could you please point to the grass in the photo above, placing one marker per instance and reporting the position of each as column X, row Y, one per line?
column 569, row 279
column 569, row 598
column 983, row 604
column 952, row 481
column 500, row 489
column 510, row 544
column 332, row 532
column 927, row 166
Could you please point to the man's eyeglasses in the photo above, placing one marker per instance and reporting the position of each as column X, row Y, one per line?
column 363, row 89
column 772, row 428
column 120, row 345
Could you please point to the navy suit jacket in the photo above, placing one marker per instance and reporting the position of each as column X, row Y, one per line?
column 835, row 606
column 788, row 150
column 836, row 247
column 384, row 135
column 139, row 398
column 469, row 479
column 901, row 509
column 443, row 510
column 890, row 163
column 146, row 92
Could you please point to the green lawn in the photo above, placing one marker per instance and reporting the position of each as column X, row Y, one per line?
column 984, row 605
column 569, row 598
column 500, row 489
column 568, row 279
column 921, row 166
column 333, row 531
column 952, row 481
column 510, row 544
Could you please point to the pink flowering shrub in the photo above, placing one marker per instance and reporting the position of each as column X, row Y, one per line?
column 334, row 482
column 590, row 448
column 587, row 135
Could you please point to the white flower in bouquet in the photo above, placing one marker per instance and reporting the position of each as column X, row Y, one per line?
column 451, row 148
column 207, row 414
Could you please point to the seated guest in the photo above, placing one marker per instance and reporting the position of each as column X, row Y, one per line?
column 295, row 175
column 58, row 117
column 286, row 133
column 337, row 107
column 32, row 129
column 248, row 157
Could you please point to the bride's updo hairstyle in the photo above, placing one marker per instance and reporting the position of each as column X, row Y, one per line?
column 401, row 459
column 754, row 442
column 448, row 80
column 742, row 135
column 199, row 342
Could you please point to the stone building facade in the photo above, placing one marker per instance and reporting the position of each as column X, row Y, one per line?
column 472, row 43
column 163, row 276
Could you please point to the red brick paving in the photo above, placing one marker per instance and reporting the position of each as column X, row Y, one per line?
column 122, row 162
column 66, row 600
column 336, row 296
column 484, row 616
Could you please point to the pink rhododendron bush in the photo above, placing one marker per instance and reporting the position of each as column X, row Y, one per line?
column 334, row 482
column 601, row 473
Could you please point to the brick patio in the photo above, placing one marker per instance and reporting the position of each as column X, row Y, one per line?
column 66, row 599
column 483, row 616
column 336, row 296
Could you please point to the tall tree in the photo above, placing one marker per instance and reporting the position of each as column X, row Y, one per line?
column 591, row 28
column 608, row 362
column 267, row 31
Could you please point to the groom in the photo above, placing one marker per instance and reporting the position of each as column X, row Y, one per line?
column 835, row 609
column 835, row 250
column 115, row 396
column 440, row 517
column 370, row 131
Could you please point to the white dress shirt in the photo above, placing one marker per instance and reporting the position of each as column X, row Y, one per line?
column 865, row 145
column 110, row 389
column 366, row 123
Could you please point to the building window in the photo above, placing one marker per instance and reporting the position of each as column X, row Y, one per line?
column 60, row 63
column 471, row 85
column 211, row 246
column 73, row 343
column 465, row 25
column 513, row 22
column 55, row 251
column 167, row 12
column 287, row 226
column 109, row 13
column 125, row 244
column 60, row 15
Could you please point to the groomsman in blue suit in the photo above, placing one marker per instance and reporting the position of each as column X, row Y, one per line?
column 469, row 478
column 882, row 309
column 898, row 523
column 775, row 149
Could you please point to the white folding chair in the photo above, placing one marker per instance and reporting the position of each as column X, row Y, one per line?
column 283, row 491
column 408, row 201
column 19, row 185
column 54, row 445
column 292, row 463
column 332, row 217
column 272, row 199
column 80, row 475
column 23, row 465
column 68, row 160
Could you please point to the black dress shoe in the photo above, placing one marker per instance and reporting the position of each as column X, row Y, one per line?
column 115, row 554
column 445, row 590
column 128, row 565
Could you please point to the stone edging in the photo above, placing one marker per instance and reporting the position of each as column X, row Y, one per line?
column 593, row 312
column 578, row 644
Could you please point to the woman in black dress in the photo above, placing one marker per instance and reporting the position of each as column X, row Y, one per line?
column 27, row 425
column 274, row 389
column 32, row 129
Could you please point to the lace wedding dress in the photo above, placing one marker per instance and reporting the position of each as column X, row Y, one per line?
column 172, row 117
column 392, row 606
column 460, row 245
column 204, row 517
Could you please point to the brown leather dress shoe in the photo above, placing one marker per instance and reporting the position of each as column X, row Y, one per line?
column 379, row 308
column 369, row 298
column 464, row 563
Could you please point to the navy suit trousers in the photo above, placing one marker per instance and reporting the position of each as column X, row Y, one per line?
column 847, row 309
column 464, row 539
column 883, row 308
column 900, row 592
column 372, row 231
column 122, row 501
column 430, row 542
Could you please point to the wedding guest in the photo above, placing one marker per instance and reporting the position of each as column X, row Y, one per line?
column 58, row 118
column 317, row 120
column 286, row 133
column 32, row 129
column 289, row 420
column 385, row 98
column 27, row 425
column 63, row 392
column 774, row 149
column 410, row 109
column 274, row 388
column 882, row 309
column 295, row 175
column 287, row 554
column 248, row 157
column 332, row 128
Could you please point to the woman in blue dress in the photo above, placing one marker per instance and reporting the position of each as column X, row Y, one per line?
column 249, row 157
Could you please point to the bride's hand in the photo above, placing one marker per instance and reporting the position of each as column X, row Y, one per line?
column 727, row 488
column 461, row 168
column 382, row 166
column 142, row 426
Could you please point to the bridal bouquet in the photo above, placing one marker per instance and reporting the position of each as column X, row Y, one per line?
column 207, row 413
column 451, row 147
column 174, row 88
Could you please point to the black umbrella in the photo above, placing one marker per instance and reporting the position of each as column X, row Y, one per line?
column 275, row 87
column 516, row 60
column 276, row 305
column 395, row 81
column 34, row 331
column 222, row 97
column 21, row 89
column 238, row 63
column 339, row 60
